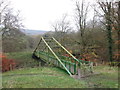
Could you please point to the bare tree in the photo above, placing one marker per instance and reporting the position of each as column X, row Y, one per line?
column 10, row 28
column 80, row 18
column 62, row 27
column 108, row 10
column 119, row 29
column 119, row 16
column 11, row 24
column 4, row 5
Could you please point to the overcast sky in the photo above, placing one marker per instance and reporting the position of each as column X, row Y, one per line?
column 39, row 14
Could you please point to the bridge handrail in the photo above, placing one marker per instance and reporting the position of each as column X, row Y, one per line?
column 46, row 53
column 54, row 57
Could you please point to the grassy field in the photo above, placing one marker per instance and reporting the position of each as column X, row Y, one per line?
column 44, row 77
column 108, row 77
column 52, row 77
column 23, row 59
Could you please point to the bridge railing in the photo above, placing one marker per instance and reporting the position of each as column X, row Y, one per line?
column 72, row 67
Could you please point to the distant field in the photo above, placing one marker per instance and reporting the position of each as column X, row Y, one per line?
column 52, row 77
column 34, row 32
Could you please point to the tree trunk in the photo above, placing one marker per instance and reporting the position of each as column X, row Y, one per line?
column 119, row 30
column 109, row 28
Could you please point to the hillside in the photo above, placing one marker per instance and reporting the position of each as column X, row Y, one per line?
column 34, row 32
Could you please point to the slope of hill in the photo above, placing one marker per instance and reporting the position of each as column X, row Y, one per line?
column 34, row 32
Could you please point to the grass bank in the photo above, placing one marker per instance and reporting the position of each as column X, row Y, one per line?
column 107, row 77
column 44, row 77
column 51, row 77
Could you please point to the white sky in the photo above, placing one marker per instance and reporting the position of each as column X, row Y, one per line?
column 39, row 14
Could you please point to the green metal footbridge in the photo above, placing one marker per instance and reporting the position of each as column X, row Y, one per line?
column 51, row 51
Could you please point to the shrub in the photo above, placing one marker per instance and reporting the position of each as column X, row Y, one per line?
column 7, row 64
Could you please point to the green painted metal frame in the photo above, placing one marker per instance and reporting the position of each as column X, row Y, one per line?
column 60, row 59
column 56, row 57
column 44, row 56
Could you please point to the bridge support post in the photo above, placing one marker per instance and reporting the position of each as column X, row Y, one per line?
column 79, row 73
column 65, row 63
column 75, row 68
column 69, row 67
column 39, row 64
